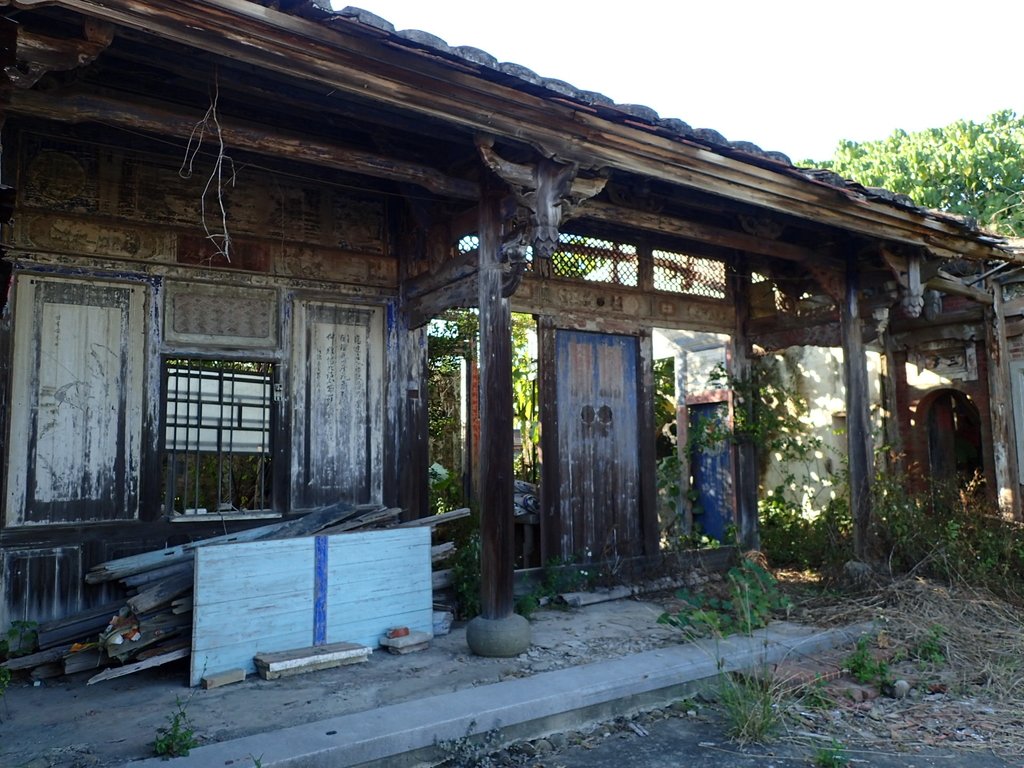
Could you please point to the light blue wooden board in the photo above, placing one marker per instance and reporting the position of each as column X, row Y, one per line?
column 259, row 597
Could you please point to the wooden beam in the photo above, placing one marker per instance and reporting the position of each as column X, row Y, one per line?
column 142, row 115
column 958, row 288
column 351, row 59
column 692, row 230
column 858, row 403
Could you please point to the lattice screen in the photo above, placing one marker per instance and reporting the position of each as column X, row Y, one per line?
column 595, row 260
column 693, row 275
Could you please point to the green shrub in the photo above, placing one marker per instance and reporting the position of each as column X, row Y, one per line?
column 753, row 598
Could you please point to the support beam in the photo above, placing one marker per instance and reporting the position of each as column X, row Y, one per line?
column 858, row 425
column 746, row 474
column 1004, row 437
column 497, row 631
column 693, row 230
column 141, row 115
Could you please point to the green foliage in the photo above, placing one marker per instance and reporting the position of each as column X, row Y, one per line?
column 948, row 533
column 931, row 649
column 525, row 404
column 863, row 665
column 466, row 575
column 5, row 680
column 557, row 577
column 753, row 598
column 832, row 756
column 795, row 539
column 445, row 490
column 973, row 169
column 20, row 639
column 178, row 738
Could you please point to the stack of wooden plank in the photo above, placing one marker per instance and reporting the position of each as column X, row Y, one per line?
column 153, row 625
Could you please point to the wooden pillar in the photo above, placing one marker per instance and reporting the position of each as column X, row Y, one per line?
column 746, row 472
column 496, row 482
column 858, row 424
column 648, row 507
column 1004, row 433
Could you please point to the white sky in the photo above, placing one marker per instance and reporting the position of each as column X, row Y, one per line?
column 795, row 76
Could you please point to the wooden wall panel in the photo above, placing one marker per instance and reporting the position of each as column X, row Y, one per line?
column 268, row 596
column 337, row 405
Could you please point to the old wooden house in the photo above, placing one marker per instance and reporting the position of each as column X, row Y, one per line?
column 227, row 222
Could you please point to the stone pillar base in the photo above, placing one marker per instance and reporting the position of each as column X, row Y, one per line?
column 506, row 637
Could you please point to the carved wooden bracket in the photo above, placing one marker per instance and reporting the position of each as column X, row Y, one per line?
column 907, row 270
column 39, row 54
column 549, row 190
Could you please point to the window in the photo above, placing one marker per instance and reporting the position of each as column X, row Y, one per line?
column 218, row 428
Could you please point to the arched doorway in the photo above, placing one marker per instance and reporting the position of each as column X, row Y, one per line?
column 954, row 436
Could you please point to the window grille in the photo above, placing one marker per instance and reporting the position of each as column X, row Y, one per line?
column 595, row 260
column 217, row 436
column 692, row 275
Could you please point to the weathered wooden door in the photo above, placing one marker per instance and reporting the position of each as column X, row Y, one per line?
column 598, row 445
column 337, row 404
column 711, row 469
column 76, row 402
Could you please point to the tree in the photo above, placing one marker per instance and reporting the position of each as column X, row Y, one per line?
column 968, row 168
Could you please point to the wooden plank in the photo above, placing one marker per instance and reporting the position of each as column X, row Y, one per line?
column 315, row 521
column 79, row 625
column 124, row 566
column 49, row 656
column 272, row 666
column 261, row 597
column 148, row 577
column 224, row 678
column 129, row 669
column 435, row 520
column 160, row 593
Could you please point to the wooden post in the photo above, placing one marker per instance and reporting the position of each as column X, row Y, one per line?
column 746, row 449
column 496, row 455
column 648, row 507
column 1004, row 433
column 858, row 432
column 550, row 497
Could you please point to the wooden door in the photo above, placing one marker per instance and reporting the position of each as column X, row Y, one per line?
column 598, row 446
column 76, row 402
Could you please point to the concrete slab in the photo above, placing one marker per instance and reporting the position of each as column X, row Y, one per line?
column 398, row 734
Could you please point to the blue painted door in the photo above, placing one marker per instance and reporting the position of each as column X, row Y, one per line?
column 710, row 467
column 598, row 446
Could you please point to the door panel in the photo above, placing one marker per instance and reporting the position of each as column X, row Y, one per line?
column 598, row 445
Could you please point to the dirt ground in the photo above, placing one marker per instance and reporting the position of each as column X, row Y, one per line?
column 958, row 652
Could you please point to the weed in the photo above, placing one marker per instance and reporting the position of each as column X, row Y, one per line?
column 257, row 762
column 751, row 705
column 931, row 650
column 469, row 751
column 754, row 597
column 466, row 576
column 5, row 680
column 557, row 577
column 813, row 695
column 20, row 639
column 864, row 666
column 178, row 739
column 832, row 756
